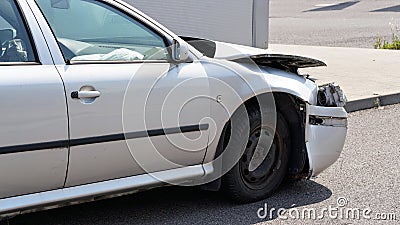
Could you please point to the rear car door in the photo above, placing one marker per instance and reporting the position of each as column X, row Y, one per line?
column 33, row 113
column 128, row 105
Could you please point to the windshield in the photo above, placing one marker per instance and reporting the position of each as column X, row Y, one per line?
column 92, row 30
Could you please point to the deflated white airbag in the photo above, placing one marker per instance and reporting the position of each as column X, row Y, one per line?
column 121, row 54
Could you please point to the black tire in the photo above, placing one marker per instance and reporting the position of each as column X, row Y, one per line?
column 246, row 186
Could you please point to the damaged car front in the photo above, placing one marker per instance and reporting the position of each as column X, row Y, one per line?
column 326, row 128
column 324, row 118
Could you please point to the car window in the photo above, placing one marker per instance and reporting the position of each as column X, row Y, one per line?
column 89, row 30
column 15, row 44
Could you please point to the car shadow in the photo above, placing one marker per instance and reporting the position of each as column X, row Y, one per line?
column 176, row 205
column 388, row 9
column 339, row 6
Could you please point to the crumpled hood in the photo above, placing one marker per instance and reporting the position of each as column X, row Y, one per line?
column 233, row 52
column 241, row 53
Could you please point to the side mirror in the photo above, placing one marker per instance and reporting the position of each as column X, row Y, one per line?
column 180, row 51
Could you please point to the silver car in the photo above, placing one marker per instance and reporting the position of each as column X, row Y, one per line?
column 99, row 100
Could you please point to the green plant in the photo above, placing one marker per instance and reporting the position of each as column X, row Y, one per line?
column 381, row 43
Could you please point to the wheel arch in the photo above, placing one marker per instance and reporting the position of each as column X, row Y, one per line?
column 292, row 108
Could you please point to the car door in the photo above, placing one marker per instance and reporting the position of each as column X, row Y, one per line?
column 131, row 111
column 33, row 112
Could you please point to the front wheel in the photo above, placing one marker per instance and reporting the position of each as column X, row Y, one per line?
column 249, row 180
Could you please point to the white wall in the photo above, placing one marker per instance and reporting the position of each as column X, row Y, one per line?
column 221, row 20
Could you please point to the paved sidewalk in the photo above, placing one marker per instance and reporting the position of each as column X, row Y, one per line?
column 369, row 77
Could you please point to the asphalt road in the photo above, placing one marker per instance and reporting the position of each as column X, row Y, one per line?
column 337, row 23
column 367, row 175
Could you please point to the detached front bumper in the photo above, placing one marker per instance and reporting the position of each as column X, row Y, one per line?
column 325, row 136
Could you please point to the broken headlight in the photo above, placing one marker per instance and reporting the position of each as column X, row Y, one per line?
column 331, row 95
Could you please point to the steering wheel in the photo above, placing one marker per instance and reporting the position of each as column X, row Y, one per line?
column 15, row 51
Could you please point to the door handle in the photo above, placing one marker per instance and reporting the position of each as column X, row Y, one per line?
column 85, row 94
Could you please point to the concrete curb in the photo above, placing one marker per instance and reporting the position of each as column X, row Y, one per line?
column 373, row 102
